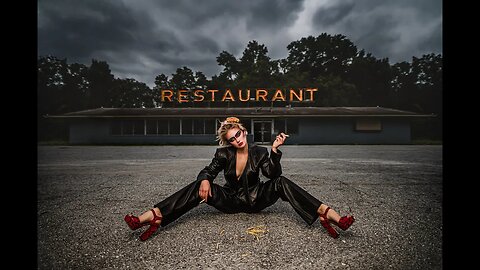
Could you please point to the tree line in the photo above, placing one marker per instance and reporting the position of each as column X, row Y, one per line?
column 343, row 75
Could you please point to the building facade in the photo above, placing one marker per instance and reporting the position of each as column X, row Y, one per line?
column 305, row 125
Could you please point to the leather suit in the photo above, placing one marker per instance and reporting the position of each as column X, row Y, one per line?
column 247, row 194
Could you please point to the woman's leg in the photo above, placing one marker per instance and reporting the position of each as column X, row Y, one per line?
column 170, row 209
column 281, row 187
column 147, row 216
column 327, row 214
column 224, row 200
column 177, row 204
column 331, row 214
column 187, row 198
column 150, row 217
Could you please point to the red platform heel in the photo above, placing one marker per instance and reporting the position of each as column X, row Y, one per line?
column 326, row 224
column 345, row 222
column 153, row 227
column 133, row 222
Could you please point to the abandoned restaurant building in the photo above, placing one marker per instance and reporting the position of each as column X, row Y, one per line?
column 305, row 125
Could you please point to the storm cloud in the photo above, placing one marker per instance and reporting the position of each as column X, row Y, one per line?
column 142, row 39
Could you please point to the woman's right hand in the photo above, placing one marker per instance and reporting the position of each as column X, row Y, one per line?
column 204, row 191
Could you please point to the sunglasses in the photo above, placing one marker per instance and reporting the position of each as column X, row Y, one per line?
column 239, row 132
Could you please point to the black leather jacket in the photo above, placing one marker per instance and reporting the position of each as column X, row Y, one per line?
column 258, row 160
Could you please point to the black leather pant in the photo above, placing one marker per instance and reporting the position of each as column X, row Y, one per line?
column 231, row 201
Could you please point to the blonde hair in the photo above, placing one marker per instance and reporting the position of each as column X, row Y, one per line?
column 225, row 126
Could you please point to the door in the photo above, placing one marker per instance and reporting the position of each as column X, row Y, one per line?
column 262, row 132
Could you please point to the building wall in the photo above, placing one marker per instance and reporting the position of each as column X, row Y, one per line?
column 338, row 130
column 342, row 131
column 97, row 131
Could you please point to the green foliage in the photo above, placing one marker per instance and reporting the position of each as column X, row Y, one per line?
column 321, row 56
column 343, row 76
column 334, row 92
column 129, row 93
column 372, row 78
column 100, row 80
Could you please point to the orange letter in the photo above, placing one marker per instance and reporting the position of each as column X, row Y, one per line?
column 181, row 95
column 200, row 96
column 229, row 93
column 240, row 95
column 263, row 95
column 292, row 93
column 278, row 93
column 165, row 96
column 213, row 94
column 311, row 90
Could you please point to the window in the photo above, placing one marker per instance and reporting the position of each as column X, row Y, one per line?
column 128, row 127
column 187, row 125
column 138, row 127
column 151, row 127
column 198, row 126
column 162, row 126
column 174, row 126
column 116, row 127
column 210, row 126
column 368, row 125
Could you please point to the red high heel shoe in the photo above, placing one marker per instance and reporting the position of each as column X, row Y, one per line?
column 153, row 227
column 133, row 222
column 345, row 222
column 326, row 224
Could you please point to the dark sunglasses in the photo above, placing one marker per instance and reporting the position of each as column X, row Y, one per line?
column 239, row 132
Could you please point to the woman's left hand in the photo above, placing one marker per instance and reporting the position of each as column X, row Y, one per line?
column 279, row 141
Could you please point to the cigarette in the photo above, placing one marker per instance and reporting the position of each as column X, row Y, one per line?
column 286, row 135
column 201, row 201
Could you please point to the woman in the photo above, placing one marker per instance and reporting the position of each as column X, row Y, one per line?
column 243, row 191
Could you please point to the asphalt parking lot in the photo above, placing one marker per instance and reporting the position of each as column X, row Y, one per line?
column 394, row 192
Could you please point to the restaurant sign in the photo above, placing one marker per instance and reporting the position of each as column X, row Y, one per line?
column 245, row 95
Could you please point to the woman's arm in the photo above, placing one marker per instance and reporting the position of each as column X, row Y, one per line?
column 208, row 174
column 279, row 141
column 211, row 171
column 270, row 165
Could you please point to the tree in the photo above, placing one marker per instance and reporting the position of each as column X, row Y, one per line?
column 161, row 82
column 403, row 89
column 320, row 56
column 335, row 92
column 231, row 66
column 201, row 81
column 418, row 86
column 255, row 69
column 51, row 73
column 183, row 78
column 129, row 93
column 428, row 72
column 100, row 80
column 372, row 78
column 56, row 94
column 75, row 87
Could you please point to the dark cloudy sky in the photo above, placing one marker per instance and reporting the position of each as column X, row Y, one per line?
column 140, row 39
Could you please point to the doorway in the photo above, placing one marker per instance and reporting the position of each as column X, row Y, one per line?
column 262, row 132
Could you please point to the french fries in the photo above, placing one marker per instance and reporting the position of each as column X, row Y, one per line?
column 257, row 231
